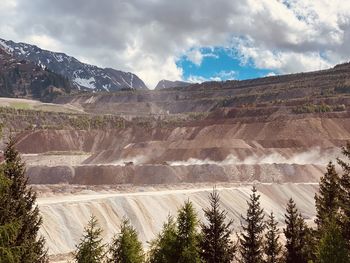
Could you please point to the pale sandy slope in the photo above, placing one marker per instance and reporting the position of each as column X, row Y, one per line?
column 65, row 215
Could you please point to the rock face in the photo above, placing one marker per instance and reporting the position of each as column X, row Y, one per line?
column 83, row 76
column 25, row 79
column 166, row 84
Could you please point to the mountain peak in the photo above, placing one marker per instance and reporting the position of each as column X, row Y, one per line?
column 82, row 75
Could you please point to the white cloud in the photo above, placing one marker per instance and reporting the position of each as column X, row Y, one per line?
column 147, row 37
column 281, row 61
column 270, row 74
column 195, row 56
column 226, row 75
column 200, row 79
column 220, row 76
column 44, row 42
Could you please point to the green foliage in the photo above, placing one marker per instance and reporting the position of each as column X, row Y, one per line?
column 126, row 247
column 251, row 239
column 187, row 236
column 163, row 249
column 216, row 244
column 296, row 233
column 90, row 248
column 272, row 246
column 20, row 206
column 9, row 252
column 328, row 199
column 312, row 108
column 345, row 194
column 332, row 245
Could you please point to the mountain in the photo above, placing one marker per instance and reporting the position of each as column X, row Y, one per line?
column 25, row 79
column 82, row 75
column 166, row 84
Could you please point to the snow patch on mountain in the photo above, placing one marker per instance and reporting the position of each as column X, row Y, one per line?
column 5, row 46
column 83, row 76
column 87, row 83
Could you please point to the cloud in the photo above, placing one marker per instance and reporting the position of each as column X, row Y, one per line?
column 281, row 61
column 219, row 76
column 200, row 79
column 226, row 75
column 195, row 56
column 149, row 37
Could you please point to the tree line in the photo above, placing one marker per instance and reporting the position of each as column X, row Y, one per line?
column 184, row 239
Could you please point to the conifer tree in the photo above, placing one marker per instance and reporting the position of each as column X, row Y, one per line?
column 215, row 244
column 90, row 248
column 22, row 207
column 164, row 248
column 332, row 246
column 126, row 247
column 272, row 246
column 296, row 235
column 251, row 240
column 9, row 252
column 327, row 200
column 345, row 194
column 187, row 237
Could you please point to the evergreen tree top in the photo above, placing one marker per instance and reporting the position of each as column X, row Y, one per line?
column 90, row 248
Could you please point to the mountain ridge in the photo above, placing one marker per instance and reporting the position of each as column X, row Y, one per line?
column 83, row 76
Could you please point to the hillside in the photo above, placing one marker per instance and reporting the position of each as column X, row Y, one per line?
column 24, row 79
column 82, row 75
column 113, row 154
column 330, row 86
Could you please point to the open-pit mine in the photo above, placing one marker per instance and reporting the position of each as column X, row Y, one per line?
column 141, row 154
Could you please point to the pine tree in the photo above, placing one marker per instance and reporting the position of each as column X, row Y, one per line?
column 332, row 246
column 296, row 235
column 272, row 245
column 22, row 207
column 216, row 245
column 345, row 194
column 126, row 247
column 187, row 237
column 251, row 239
column 9, row 252
column 90, row 248
column 327, row 200
column 164, row 248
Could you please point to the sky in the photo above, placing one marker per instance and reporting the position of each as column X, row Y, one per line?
column 195, row 41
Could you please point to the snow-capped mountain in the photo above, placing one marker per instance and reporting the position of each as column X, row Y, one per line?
column 83, row 76
column 166, row 84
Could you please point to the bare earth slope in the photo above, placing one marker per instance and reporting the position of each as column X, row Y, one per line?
column 149, row 209
column 277, row 132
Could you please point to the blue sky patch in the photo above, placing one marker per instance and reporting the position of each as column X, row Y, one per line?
column 218, row 64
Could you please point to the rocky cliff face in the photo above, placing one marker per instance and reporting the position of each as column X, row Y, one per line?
column 83, row 76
